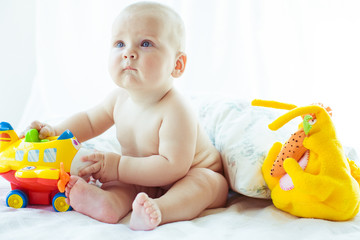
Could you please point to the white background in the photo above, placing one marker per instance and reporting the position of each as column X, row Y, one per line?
column 295, row 51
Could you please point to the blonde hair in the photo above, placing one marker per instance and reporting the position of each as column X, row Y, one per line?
column 160, row 9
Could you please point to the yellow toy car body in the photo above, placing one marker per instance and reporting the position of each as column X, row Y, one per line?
column 38, row 170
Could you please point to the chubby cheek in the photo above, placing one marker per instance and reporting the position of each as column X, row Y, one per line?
column 157, row 67
column 114, row 63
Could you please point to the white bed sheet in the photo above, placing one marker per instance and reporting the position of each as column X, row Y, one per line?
column 243, row 218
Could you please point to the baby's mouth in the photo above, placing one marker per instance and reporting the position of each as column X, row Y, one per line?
column 129, row 68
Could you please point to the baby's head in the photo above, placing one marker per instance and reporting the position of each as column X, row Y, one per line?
column 148, row 41
column 170, row 19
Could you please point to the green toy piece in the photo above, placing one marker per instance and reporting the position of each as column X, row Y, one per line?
column 33, row 136
column 307, row 125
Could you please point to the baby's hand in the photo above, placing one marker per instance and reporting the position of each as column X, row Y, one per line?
column 45, row 130
column 104, row 166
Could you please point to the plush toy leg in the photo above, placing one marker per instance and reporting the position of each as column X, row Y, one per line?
column 268, row 163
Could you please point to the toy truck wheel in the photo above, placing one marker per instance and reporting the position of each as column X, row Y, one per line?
column 59, row 203
column 16, row 199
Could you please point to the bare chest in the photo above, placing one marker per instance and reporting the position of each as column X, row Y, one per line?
column 138, row 132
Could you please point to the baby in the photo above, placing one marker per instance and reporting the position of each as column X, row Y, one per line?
column 168, row 170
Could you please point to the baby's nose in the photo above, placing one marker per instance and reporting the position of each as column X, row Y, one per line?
column 131, row 55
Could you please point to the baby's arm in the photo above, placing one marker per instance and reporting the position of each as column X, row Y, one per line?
column 83, row 125
column 91, row 123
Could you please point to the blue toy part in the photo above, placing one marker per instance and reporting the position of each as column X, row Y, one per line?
column 59, row 203
column 17, row 199
column 66, row 135
column 5, row 126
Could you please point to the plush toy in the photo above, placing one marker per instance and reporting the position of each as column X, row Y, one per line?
column 310, row 176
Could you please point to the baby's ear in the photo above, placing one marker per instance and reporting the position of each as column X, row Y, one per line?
column 179, row 65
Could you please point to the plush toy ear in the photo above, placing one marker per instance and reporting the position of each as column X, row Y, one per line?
column 179, row 65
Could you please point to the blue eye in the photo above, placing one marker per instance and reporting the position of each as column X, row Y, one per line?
column 120, row 45
column 146, row 44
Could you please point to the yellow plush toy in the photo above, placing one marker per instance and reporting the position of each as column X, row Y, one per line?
column 310, row 176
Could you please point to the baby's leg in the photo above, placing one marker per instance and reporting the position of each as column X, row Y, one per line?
column 107, row 204
column 201, row 188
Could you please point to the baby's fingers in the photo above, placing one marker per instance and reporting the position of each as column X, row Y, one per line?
column 34, row 125
column 94, row 157
column 46, row 131
column 90, row 170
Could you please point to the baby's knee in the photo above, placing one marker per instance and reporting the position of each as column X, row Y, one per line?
column 212, row 182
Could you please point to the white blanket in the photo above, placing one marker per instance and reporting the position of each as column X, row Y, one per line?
column 243, row 218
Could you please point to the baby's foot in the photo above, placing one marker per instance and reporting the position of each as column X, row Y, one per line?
column 90, row 200
column 146, row 214
column 72, row 181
